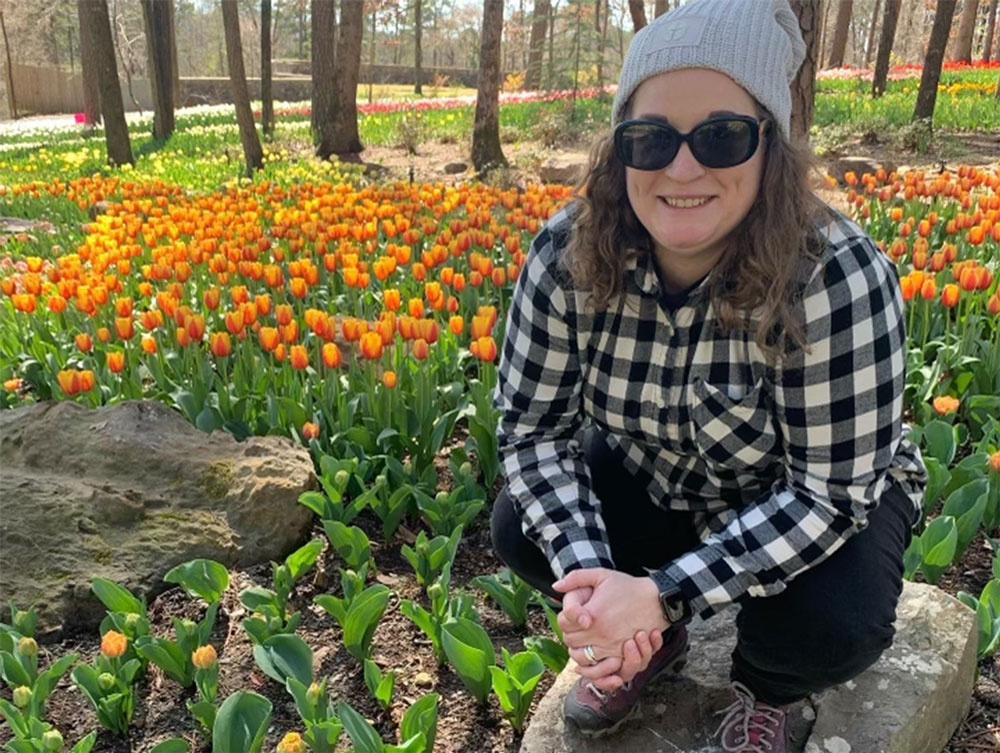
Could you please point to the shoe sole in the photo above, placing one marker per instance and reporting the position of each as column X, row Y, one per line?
column 673, row 667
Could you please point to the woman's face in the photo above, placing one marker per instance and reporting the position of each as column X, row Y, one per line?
column 692, row 239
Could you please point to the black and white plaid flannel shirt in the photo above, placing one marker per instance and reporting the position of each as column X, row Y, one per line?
column 779, row 466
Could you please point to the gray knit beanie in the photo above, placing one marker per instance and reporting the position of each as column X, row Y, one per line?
column 757, row 43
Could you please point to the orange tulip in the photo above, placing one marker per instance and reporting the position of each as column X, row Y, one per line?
column 391, row 299
column 204, row 657
column 420, row 349
column 371, row 345
column 949, row 295
column 24, row 302
column 389, row 379
column 945, row 404
column 298, row 357
column 220, row 344
column 211, row 298
column 331, row 355
column 310, row 430
column 298, row 288
column 906, row 287
column 929, row 289
column 994, row 461
column 427, row 329
column 104, row 334
column 415, row 307
column 234, row 322
column 57, row 304
column 113, row 644
column 268, row 338
column 83, row 342
column 86, row 380
column 486, row 349
column 116, row 361
column 125, row 328
column 456, row 324
column 283, row 314
column 993, row 304
column 123, row 307
column 148, row 344
column 290, row 333
column 263, row 304
column 195, row 326
column 183, row 339
column 976, row 235
column 69, row 381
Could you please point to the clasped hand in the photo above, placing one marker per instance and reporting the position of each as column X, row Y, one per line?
column 618, row 615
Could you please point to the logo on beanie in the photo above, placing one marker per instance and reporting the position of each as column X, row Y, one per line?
column 682, row 32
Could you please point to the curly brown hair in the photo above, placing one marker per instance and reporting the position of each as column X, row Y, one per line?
column 753, row 286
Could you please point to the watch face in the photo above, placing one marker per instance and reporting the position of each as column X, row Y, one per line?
column 674, row 609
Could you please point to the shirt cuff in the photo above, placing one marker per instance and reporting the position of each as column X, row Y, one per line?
column 565, row 555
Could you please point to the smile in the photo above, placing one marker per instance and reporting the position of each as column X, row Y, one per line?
column 685, row 203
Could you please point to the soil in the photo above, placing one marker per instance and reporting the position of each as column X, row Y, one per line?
column 398, row 645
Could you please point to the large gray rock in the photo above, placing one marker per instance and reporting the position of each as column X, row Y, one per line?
column 910, row 701
column 128, row 491
column 563, row 167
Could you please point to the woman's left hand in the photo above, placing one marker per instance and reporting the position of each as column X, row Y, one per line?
column 620, row 606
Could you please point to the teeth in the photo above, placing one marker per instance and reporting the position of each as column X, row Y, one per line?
column 685, row 203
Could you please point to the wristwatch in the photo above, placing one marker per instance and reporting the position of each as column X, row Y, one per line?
column 676, row 608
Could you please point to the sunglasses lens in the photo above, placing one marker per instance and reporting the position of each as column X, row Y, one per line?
column 646, row 146
column 723, row 143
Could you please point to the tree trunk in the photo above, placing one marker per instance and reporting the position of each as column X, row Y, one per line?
column 844, row 8
column 324, row 72
column 238, row 84
column 927, row 95
column 803, row 87
column 536, row 46
column 324, row 76
column 88, row 71
column 637, row 9
column 418, row 52
column 156, row 16
column 660, row 8
column 10, row 71
column 346, row 139
column 889, row 21
column 962, row 51
column 95, row 15
column 991, row 20
column 871, row 33
column 175, row 77
column 266, row 99
column 486, row 151
column 551, row 77
column 823, row 34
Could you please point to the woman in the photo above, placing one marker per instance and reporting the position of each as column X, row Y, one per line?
column 701, row 392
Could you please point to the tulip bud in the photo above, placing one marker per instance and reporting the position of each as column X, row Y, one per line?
column 434, row 591
column 341, row 478
column 27, row 646
column 381, row 480
column 188, row 624
column 407, row 467
column 465, row 468
column 22, row 696
column 22, row 622
column 52, row 740
column 275, row 625
column 131, row 619
column 441, row 497
column 312, row 695
column 106, row 681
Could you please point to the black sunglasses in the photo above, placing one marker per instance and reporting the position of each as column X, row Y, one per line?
column 722, row 141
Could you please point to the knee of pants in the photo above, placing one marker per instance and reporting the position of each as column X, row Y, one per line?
column 827, row 644
column 502, row 523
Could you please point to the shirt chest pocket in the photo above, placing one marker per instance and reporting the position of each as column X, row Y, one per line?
column 733, row 433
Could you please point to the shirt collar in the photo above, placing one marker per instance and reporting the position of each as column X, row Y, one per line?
column 643, row 267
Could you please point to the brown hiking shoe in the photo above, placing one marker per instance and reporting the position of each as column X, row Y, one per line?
column 597, row 712
column 752, row 726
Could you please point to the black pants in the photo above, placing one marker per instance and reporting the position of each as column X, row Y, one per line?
column 829, row 624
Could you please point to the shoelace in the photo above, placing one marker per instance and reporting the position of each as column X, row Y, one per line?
column 604, row 695
column 754, row 724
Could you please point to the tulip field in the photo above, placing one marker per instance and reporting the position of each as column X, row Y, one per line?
column 362, row 319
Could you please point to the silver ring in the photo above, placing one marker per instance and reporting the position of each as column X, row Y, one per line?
column 588, row 651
